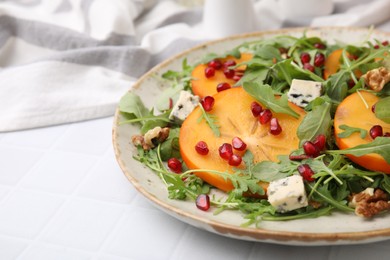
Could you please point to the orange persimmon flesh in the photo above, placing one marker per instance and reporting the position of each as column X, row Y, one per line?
column 232, row 110
column 332, row 64
column 353, row 112
column 202, row 86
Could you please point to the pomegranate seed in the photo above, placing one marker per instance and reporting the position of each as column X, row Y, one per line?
column 216, row 64
column 236, row 77
column 376, row 131
column 373, row 108
column 310, row 149
column 275, row 128
column 305, row 57
column 385, row 43
column 256, row 109
column 207, row 103
column 209, row 72
column 225, row 151
column 351, row 83
column 265, row 116
column 229, row 63
column 229, row 73
column 306, row 172
column 175, row 165
column 203, row 202
column 299, row 157
column 309, row 67
column 235, row 160
column 376, row 46
column 319, row 60
column 320, row 142
column 353, row 57
column 202, row 148
column 387, row 134
column 238, row 144
column 319, row 45
column 223, row 86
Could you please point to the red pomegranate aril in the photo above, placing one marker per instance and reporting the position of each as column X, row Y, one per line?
column 305, row 57
column 238, row 144
column 306, row 172
column 309, row 67
column 223, row 86
column 385, row 43
column 229, row 73
column 320, row 142
column 207, row 103
column 373, row 108
column 265, row 116
column 225, row 151
column 216, row 64
column 376, row 131
column 319, row 60
column 319, row 45
column 310, row 149
column 203, row 202
column 274, row 126
column 202, row 148
column 209, row 72
column 256, row 109
column 376, row 46
column 235, row 160
column 229, row 63
column 236, row 77
column 387, row 134
column 351, row 83
column 174, row 165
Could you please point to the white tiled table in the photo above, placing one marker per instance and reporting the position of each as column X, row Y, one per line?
column 63, row 196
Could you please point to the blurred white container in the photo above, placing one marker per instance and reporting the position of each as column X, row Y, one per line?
column 222, row 18
column 297, row 9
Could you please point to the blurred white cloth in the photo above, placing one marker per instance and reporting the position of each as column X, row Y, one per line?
column 64, row 61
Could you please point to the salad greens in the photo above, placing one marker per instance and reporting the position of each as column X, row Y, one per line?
column 267, row 77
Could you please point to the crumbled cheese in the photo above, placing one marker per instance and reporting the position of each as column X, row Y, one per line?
column 184, row 106
column 303, row 91
column 287, row 194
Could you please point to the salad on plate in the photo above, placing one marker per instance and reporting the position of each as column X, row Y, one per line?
column 279, row 129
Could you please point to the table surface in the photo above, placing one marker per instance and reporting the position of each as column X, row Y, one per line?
column 63, row 196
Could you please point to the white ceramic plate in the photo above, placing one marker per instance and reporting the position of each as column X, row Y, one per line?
column 335, row 229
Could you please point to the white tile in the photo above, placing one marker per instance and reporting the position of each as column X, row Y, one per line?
column 379, row 250
column 15, row 163
column 107, row 183
column 49, row 252
column 59, row 172
column 91, row 137
column 4, row 190
column 112, row 257
column 38, row 138
column 196, row 244
column 280, row 252
column 82, row 224
column 143, row 230
column 142, row 202
column 25, row 213
column 11, row 248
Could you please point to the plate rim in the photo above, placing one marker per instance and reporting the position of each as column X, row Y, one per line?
column 247, row 233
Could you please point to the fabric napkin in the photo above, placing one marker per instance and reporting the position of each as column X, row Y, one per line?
column 64, row 61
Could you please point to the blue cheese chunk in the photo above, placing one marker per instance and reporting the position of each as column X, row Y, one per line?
column 303, row 91
column 287, row 194
column 184, row 106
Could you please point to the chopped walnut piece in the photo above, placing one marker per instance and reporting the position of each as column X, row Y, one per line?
column 151, row 138
column 369, row 202
column 377, row 78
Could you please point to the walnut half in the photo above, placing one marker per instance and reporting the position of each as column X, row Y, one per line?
column 377, row 78
column 370, row 202
column 151, row 138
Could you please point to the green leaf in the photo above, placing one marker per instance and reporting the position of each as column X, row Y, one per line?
column 382, row 109
column 132, row 105
column 348, row 131
column 211, row 121
column 265, row 95
column 170, row 147
column 318, row 121
column 336, row 86
column 268, row 52
column 381, row 146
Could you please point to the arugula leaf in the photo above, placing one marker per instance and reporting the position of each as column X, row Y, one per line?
column 310, row 213
column 132, row 105
column 323, row 194
column 211, row 120
column 253, row 74
column 270, row 171
column 170, row 147
column 382, row 110
column 348, row 131
column 336, row 86
column 381, row 146
column 268, row 52
column 265, row 95
column 318, row 121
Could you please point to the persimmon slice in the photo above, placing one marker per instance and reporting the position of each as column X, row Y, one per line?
column 332, row 64
column 232, row 108
column 355, row 111
column 202, row 86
